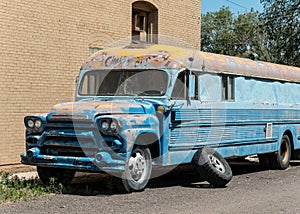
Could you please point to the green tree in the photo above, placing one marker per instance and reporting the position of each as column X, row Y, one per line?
column 281, row 24
column 223, row 33
column 217, row 32
column 249, row 36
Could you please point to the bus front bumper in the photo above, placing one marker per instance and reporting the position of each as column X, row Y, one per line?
column 102, row 162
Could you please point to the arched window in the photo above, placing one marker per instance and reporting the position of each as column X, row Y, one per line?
column 144, row 22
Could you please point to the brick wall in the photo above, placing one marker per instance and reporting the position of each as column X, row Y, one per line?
column 43, row 44
column 181, row 20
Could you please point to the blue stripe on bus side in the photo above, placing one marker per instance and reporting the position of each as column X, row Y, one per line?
column 192, row 128
column 217, row 135
column 247, row 142
column 187, row 124
column 219, row 115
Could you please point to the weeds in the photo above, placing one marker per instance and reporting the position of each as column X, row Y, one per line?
column 14, row 189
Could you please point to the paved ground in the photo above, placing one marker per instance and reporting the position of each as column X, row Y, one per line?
column 252, row 190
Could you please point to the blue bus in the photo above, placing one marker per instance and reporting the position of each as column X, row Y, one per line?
column 141, row 106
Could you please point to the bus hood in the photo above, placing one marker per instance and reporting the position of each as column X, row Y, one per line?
column 89, row 109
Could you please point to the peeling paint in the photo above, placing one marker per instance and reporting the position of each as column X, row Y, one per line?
column 98, row 133
column 169, row 57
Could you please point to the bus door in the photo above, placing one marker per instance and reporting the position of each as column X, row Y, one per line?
column 184, row 115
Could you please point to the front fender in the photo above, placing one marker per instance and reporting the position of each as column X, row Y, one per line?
column 132, row 126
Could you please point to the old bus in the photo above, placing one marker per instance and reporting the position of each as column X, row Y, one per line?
column 141, row 106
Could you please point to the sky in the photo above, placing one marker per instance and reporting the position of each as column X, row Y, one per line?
column 236, row 6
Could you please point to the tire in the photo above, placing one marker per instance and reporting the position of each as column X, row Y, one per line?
column 63, row 176
column 281, row 159
column 212, row 167
column 137, row 171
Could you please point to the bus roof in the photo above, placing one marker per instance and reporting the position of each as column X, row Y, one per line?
column 162, row 57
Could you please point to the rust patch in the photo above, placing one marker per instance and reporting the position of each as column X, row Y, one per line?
column 160, row 56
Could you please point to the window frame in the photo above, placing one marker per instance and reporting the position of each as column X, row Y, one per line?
column 186, row 82
column 94, row 73
column 93, row 50
column 228, row 87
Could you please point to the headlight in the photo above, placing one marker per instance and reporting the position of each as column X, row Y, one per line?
column 34, row 124
column 113, row 126
column 30, row 123
column 105, row 125
column 38, row 123
column 108, row 126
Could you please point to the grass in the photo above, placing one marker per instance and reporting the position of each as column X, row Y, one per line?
column 14, row 189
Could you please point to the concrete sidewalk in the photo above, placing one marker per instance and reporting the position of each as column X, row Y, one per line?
column 26, row 175
column 20, row 170
column 80, row 177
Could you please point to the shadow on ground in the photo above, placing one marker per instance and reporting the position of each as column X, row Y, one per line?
column 185, row 176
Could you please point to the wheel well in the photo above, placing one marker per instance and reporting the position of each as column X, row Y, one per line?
column 151, row 141
column 290, row 135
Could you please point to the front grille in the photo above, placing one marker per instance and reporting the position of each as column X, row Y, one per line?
column 65, row 138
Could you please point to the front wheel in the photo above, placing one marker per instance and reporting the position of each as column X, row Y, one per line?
column 137, row 171
column 63, row 176
column 212, row 167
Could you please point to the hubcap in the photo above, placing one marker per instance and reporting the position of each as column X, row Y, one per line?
column 216, row 163
column 136, row 165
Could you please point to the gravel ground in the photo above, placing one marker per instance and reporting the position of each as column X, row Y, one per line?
column 252, row 190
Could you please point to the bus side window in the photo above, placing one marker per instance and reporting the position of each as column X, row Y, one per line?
column 193, row 86
column 180, row 88
column 228, row 92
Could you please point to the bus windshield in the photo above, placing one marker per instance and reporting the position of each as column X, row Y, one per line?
column 124, row 83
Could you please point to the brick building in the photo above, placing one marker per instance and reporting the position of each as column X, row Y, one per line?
column 43, row 44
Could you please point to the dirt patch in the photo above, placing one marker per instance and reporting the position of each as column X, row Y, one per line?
column 16, row 168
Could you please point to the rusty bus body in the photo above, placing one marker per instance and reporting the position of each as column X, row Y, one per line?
column 138, row 107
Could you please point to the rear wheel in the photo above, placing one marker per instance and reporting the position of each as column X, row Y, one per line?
column 63, row 176
column 281, row 159
column 137, row 171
